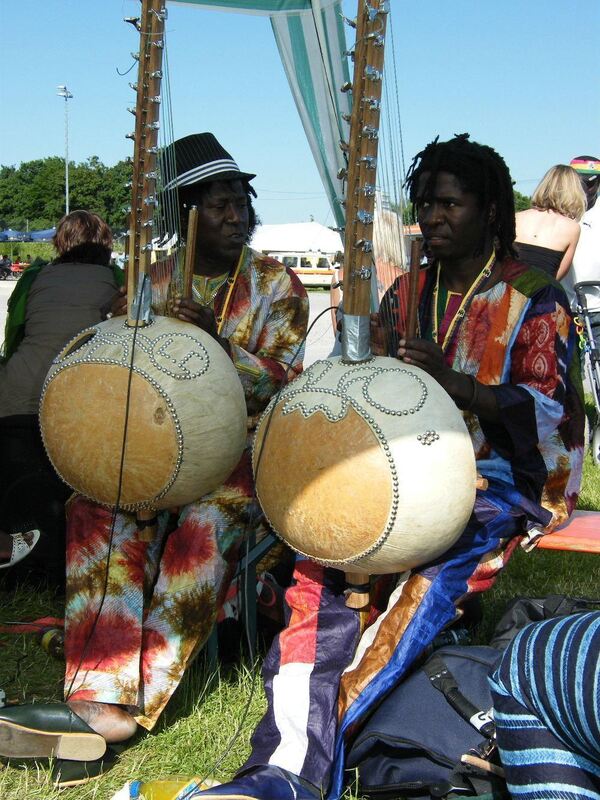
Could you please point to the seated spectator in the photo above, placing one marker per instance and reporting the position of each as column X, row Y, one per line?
column 547, row 233
column 5, row 270
column 48, row 307
column 546, row 695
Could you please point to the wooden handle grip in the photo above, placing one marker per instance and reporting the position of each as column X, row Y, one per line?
column 358, row 595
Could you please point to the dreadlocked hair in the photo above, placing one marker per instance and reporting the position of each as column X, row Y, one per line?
column 480, row 170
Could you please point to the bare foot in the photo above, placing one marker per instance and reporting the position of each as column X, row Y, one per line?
column 110, row 721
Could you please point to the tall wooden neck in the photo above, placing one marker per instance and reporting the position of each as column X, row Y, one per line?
column 144, row 189
column 361, row 178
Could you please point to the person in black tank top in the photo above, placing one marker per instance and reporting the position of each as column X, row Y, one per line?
column 547, row 233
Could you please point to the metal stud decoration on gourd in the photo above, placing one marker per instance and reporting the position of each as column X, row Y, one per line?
column 365, row 466
column 186, row 424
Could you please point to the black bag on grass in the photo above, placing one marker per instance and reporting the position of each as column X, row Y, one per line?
column 524, row 610
column 413, row 743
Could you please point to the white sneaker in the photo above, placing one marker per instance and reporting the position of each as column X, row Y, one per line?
column 21, row 547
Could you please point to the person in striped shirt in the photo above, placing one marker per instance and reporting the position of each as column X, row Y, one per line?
column 546, row 694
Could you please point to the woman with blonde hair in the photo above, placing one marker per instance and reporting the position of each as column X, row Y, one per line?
column 50, row 304
column 548, row 232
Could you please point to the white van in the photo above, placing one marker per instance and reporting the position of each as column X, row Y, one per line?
column 313, row 269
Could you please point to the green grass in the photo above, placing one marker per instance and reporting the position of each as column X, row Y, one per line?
column 207, row 709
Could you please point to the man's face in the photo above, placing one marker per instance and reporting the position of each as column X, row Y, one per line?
column 452, row 223
column 222, row 221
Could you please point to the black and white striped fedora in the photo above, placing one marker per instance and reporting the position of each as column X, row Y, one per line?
column 198, row 158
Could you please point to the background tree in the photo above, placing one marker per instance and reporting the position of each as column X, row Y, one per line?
column 522, row 201
column 32, row 195
column 117, row 195
column 8, row 188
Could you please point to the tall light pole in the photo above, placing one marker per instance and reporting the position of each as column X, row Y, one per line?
column 64, row 92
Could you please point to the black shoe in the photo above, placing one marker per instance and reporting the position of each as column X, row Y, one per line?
column 48, row 730
column 75, row 773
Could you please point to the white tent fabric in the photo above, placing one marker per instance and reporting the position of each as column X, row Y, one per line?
column 297, row 237
column 261, row 8
column 311, row 41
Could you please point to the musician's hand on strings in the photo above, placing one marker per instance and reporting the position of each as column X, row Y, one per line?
column 117, row 306
column 202, row 317
column 429, row 357
column 190, row 311
column 466, row 391
column 378, row 343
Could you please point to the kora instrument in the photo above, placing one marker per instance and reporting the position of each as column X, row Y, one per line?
column 365, row 467
column 365, row 463
column 144, row 412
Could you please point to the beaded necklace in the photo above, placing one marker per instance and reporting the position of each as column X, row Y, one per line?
column 222, row 280
column 464, row 306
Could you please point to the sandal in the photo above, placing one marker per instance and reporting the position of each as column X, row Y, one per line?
column 20, row 547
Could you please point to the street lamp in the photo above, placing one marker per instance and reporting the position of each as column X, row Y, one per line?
column 64, row 92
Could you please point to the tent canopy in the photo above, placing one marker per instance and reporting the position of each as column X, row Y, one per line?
column 296, row 237
column 262, row 8
column 12, row 235
column 42, row 236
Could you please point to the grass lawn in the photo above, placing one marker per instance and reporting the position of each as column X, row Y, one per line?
column 197, row 734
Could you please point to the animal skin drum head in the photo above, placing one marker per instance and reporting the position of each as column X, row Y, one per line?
column 368, row 467
column 186, row 417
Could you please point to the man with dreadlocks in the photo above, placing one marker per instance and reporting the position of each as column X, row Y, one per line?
column 495, row 334
column 500, row 339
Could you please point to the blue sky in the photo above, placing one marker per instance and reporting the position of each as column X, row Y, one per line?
column 520, row 75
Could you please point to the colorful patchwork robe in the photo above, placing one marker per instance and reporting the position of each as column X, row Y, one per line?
column 517, row 337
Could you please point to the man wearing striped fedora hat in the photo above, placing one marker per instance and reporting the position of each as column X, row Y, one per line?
column 200, row 158
column 203, row 174
column 121, row 672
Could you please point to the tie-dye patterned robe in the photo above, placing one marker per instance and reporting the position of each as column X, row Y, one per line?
column 162, row 596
